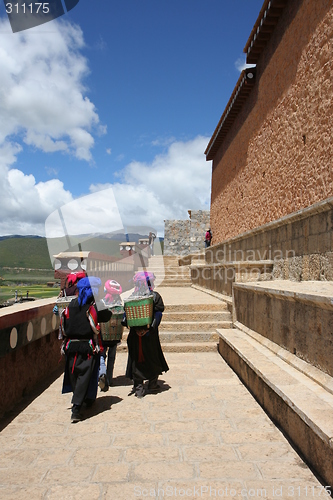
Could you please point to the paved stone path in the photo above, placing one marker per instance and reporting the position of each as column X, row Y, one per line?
column 203, row 436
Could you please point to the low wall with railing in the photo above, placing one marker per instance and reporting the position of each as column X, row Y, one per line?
column 29, row 349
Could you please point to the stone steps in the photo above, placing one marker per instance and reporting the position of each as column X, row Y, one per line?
column 188, row 326
column 176, row 308
column 175, row 283
column 168, row 272
column 189, row 346
column 201, row 346
column 297, row 396
column 190, row 336
column 196, row 315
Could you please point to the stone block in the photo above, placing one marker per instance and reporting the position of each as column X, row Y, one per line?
column 326, row 267
column 314, row 267
column 305, row 268
column 295, row 268
column 318, row 223
column 278, row 267
column 313, row 244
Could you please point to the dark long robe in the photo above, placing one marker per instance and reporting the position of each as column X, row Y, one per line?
column 82, row 365
column 154, row 362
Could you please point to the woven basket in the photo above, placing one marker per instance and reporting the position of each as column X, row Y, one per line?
column 113, row 329
column 139, row 312
column 63, row 302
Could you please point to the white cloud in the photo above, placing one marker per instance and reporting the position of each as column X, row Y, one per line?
column 42, row 96
column 163, row 141
column 43, row 102
column 166, row 188
column 52, row 172
column 25, row 204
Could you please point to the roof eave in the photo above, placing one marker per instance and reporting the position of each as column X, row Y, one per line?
column 262, row 30
column 239, row 95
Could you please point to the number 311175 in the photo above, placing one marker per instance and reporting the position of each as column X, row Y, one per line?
column 32, row 8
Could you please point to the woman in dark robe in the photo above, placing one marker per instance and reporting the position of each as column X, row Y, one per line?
column 146, row 360
column 82, row 344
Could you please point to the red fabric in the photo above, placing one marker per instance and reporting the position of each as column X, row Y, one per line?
column 74, row 362
column 141, row 358
column 93, row 320
column 74, row 277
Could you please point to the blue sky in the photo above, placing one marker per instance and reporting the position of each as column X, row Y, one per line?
column 121, row 94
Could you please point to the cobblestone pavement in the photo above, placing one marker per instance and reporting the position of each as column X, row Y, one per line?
column 203, row 436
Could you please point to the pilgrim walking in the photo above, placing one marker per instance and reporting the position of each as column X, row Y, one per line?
column 81, row 330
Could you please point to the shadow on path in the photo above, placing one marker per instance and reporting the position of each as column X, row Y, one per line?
column 102, row 404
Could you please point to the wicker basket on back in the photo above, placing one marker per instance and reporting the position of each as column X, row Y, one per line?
column 113, row 329
column 63, row 302
column 139, row 310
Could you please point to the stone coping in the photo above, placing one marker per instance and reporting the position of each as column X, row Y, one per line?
column 299, row 405
column 26, row 306
column 236, row 263
column 220, row 296
column 318, row 376
column 23, row 324
column 315, row 292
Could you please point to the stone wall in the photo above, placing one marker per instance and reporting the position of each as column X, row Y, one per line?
column 199, row 223
column 182, row 237
column 297, row 247
column 29, row 349
column 278, row 156
column 286, row 314
column 176, row 237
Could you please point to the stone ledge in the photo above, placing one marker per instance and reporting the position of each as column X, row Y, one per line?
column 302, row 408
column 237, row 264
column 190, row 346
column 217, row 295
column 23, row 324
column 318, row 293
column 321, row 378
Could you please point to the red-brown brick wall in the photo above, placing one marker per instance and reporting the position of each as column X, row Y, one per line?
column 278, row 156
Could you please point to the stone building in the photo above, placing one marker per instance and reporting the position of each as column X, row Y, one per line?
column 184, row 237
column 272, row 150
column 272, row 221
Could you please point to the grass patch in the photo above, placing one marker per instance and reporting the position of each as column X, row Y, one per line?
column 24, row 280
column 36, row 291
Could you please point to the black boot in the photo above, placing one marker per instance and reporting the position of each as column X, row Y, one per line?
column 76, row 415
column 153, row 386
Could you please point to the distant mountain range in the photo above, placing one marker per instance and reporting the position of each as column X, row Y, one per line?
column 24, row 251
column 32, row 251
column 18, row 236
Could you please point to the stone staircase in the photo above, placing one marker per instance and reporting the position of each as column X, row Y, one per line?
column 193, row 327
column 190, row 327
column 186, row 327
column 168, row 272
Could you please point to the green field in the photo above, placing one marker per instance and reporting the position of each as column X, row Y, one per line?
column 36, row 291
